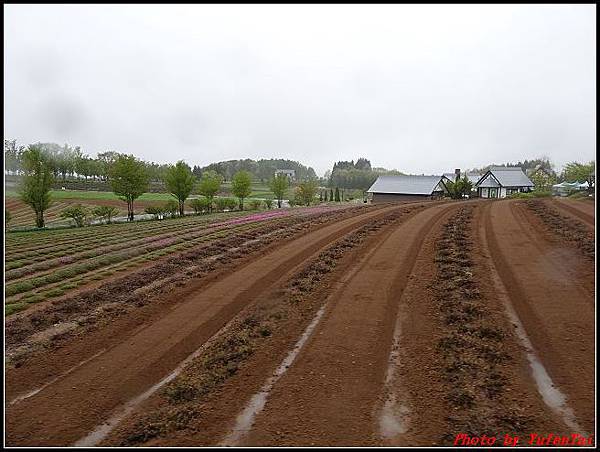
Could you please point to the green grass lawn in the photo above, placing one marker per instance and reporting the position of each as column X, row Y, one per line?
column 91, row 195
column 259, row 190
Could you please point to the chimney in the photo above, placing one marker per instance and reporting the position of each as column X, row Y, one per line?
column 456, row 174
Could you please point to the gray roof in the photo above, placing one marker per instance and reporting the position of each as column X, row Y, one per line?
column 472, row 177
column 406, row 185
column 509, row 177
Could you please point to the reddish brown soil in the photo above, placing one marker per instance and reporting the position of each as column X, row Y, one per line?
column 331, row 392
column 460, row 367
column 552, row 290
column 217, row 385
column 581, row 210
column 432, row 271
column 73, row 405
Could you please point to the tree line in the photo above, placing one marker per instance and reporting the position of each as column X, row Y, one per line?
column 129, row 178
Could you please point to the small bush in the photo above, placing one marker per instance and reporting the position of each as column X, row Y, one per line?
column 200, row 205
column 78, row 213
column 156, row 211
column 226, row 203
column 579, row 194
column 105, row 212
column 268, row 203
column 255, row 204
column 171, row 207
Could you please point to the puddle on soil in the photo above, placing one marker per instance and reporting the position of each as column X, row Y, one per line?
column 551, row 395
column 393, row 418
column 54, row 380
column 256, row 404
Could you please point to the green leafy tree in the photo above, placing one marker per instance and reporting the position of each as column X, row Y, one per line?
column 578, row 172
column 241, row 186
column 278, row 185
column 460, row 188
column 542, row 181
column 128, row 180
column 180, row 181
column 78, row 213
column 106, row 212
column 37, row 182
column 209, row 186
column 306, row 192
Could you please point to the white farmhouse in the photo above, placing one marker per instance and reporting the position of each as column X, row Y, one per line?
column 501, row 181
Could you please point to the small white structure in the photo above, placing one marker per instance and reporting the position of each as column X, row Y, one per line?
column 290, row 173
column 501, row 181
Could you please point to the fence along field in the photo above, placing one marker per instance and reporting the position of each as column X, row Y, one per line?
column 42, row 265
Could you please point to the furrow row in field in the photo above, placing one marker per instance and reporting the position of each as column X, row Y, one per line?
column 139, row 359
column 193, row 262
column 174, row 235
column 60, row 241
column 56, row 284
column 550, row 287
column 568, row 228
column 236, row 361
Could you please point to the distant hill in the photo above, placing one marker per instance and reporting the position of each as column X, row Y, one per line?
column 262, row 170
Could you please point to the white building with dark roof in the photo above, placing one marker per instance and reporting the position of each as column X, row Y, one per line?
column 501, row 181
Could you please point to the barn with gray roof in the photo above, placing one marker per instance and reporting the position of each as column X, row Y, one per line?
column 501, row 181
column 406, row 188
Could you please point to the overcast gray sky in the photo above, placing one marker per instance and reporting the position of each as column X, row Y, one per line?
column 423, row 89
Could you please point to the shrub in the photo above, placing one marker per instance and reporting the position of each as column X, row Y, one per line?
column 220, row 204
column 78, row 213
column 268, row 203
column 6, row 217
column 579, row 194
column 225, row 203
column 171, row 207
column 200, row 205
column 156, row 211
column 107, row 212
column 255, row 204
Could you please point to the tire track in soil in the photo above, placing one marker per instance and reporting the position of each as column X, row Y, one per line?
column 67, row 410
column 556, row 314
column 329, row 396
column 561, row 260
column 575, row 211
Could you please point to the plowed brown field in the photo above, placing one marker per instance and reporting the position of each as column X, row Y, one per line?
column 402, row 325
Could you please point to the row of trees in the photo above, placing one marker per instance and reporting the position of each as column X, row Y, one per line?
column 66, row 161
column 262, row 170
column 355, row 175
column 129, row 178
